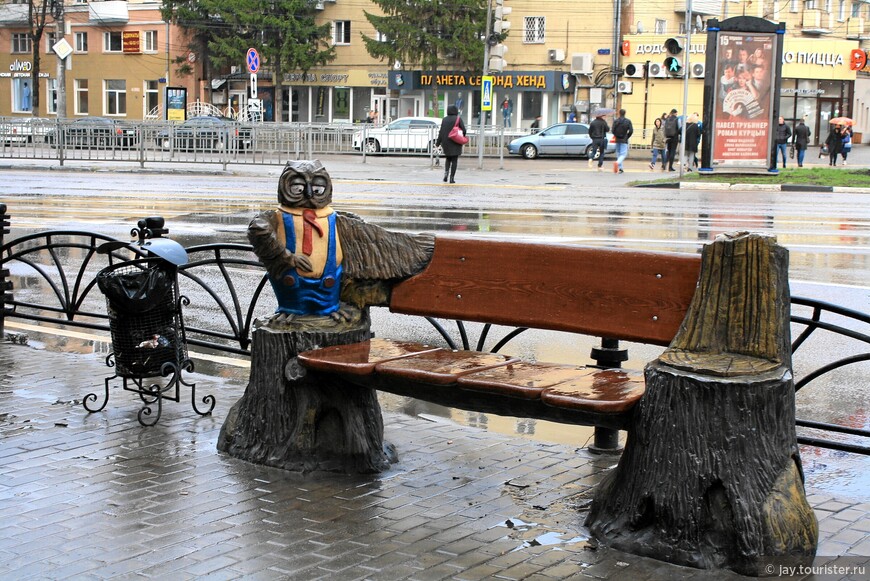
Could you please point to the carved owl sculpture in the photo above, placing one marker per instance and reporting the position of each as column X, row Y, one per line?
column 315, row 256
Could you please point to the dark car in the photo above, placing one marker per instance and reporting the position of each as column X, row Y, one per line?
column 99, row 132
column 206, row 132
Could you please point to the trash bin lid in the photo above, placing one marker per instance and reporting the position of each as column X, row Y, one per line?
column 168, row 250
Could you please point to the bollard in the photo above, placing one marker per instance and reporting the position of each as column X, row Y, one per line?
column 608, row 356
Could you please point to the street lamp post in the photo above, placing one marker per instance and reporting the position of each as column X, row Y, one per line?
column 687, row 68
column 483, row 114
column 60, row 89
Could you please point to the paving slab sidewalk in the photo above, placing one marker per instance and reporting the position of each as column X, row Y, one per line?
column 97, row 496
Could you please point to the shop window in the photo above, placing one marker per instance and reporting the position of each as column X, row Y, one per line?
column 113, row 41
column 51, row 95
column 81, row 41
column 116, row 97
column 341, row 103
column 80, row 86
column 22, row 95
column 21, row 43
column 534, row 28
column 341, row 32
column 149, row 41
column 152, row 99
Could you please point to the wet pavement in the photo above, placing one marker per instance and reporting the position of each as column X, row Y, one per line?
column 97, row 496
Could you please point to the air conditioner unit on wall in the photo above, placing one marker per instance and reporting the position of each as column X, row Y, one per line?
column 581, row 63
column 698, row 70
column 634, row 70
column 624, row 87
column 556, row 55
column 657, row 70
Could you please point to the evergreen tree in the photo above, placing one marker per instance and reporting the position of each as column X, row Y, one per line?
column 284, row 32
column 430, row 34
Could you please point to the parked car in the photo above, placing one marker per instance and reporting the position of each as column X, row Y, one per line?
column 99, row 132
column 206, row 132
column 403, row 134
column 565, row 139
column 23, row 129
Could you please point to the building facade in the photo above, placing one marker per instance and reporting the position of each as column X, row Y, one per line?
column 561, row 58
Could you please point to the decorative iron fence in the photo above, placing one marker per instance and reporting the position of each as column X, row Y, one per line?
column 54, row 277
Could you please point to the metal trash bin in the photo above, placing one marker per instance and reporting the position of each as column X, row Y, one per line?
column 144, row 317
column 145, row 320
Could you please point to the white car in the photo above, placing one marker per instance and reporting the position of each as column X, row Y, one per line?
column 405, row 134
column 23, row 129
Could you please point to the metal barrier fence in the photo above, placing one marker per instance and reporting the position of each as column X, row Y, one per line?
column 54, row 274
column 97, row 138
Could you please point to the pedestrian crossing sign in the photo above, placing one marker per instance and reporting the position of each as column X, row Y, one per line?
column 486, row 93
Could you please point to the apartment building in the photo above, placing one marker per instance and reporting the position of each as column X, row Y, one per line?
column 561, row 57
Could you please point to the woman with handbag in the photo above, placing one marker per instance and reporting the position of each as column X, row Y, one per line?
column 451, row 138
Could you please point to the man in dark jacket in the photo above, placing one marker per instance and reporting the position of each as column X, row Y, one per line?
column 781, row 136
column 598, row 134
column 622, row 130
column 452, row 150
column 801, row 141
column 672, row 134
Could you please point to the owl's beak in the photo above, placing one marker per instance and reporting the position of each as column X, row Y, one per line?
column 308, row 192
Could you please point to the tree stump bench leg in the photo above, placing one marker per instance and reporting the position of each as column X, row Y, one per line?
column 301, row 421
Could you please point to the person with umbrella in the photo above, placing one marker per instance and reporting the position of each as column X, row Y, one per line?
column 834, row 141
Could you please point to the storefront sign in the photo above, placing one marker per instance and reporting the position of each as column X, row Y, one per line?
column 131, row 41
column 21, row 69
column 744, row 101
column 549, row 81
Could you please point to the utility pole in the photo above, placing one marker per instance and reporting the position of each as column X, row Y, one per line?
column 481, row 136
column 687, row 68
column 60, row 30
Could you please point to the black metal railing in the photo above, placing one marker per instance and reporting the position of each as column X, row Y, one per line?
column 55, row 273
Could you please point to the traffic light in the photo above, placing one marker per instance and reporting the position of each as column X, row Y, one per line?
column 673, row 65
column 500, row 27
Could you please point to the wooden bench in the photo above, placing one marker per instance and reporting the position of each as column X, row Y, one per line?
column 711, row 476
column 611, row 293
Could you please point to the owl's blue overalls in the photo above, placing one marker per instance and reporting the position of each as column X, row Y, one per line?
column 309, row 296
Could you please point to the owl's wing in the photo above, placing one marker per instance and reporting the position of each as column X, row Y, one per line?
column 373, row 253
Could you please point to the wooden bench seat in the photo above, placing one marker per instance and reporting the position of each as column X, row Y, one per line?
column 393, row 366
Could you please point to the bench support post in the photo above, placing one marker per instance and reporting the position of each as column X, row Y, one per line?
column 711, row 476
column 299, row 421
column 608, row 356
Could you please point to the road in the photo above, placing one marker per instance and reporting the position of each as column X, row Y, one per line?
column 828, row 235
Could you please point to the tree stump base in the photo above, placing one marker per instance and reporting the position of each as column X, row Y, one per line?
column 301, row 421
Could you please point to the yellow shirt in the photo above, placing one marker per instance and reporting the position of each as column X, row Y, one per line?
column 320, row 244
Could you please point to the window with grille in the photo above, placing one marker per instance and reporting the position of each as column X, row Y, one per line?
column 341, row 32
column 535, row 26
column 661, row 26
column 20, row 42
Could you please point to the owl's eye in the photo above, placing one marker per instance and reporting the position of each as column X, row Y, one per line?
column 317, row 189
column 297, row 188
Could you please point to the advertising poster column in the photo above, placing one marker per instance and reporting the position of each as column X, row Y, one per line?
column 741, row 98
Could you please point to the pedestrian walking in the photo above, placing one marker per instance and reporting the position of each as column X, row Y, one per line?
column 782, row 133
column 659, row 145
column 622, row 130
column 693, row 139
column 801, row 141
column 451, row 149
column 834, row 141
column 598, row 134
column 847, row 143
column 672, row 134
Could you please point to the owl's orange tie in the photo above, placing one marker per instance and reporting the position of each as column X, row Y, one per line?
column 309, row 221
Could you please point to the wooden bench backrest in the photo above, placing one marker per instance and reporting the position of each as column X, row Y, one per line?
column 605, row 292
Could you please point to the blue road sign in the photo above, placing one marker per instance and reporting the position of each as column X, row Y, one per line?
column 253, row 60
column 486, row 93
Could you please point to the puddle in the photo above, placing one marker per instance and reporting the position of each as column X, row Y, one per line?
column 554, row 539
